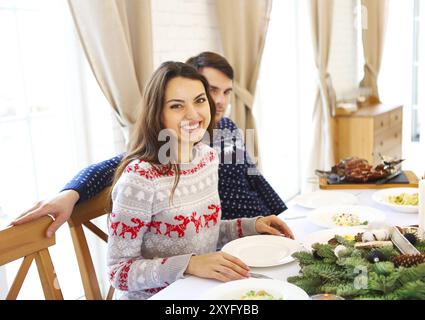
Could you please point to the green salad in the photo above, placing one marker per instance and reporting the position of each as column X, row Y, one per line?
column 404, row 199
column 259, row 295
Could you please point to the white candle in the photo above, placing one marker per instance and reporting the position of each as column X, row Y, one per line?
column 422, row 206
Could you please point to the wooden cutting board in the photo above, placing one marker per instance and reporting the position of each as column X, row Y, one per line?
column 411, row 177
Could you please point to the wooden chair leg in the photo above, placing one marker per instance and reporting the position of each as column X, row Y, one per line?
column 110, row 293
column 85, row 263
column 47, row 274
column 20, row 277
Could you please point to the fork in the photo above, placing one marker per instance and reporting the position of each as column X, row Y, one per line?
column 258, row 276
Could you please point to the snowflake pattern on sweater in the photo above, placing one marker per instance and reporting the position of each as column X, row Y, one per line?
column 152, row 239
column 242, row 193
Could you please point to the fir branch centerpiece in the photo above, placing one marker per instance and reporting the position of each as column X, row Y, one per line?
column 342, row 268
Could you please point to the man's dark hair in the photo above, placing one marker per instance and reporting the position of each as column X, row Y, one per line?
column 211, row 60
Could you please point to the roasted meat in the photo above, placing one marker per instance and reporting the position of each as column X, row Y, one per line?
column 354, row 169
column 359, row 170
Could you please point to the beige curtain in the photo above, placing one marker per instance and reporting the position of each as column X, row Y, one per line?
column 374, row 15
column 116, row 36
column 322, row 155
column 243, row 25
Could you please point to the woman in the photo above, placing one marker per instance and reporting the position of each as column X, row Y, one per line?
column 165, row 219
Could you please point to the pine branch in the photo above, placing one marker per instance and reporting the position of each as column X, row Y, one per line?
column 325, row 272
column 325, row 251
column 382, row 283
column 389, row 252
column 304, row 258
column 384, row 268
column 412, row 290
column 309, row 285
column 411, row 274
column 349, row 290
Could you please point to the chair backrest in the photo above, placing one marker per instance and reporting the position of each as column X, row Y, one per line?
column 80, row 217
column 29, row 241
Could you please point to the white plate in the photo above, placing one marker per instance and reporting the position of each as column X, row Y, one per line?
column 322, row 198
column 234, row 290
column 323, row 236
column 263, row 250
column 381, row 197
column 323, row 216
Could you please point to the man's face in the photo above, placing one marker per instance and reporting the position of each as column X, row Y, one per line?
column 221, row 88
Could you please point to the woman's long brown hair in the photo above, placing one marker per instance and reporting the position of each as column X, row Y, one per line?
column 144, row 143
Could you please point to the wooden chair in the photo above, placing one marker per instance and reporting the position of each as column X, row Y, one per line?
column 29, row 241
column 82, row 214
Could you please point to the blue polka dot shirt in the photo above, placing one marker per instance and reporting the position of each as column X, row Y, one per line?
column 243, row 191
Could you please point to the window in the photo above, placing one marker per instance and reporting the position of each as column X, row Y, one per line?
column 418, row 71
column 51, row 112
column 287, row 88
column 285, row 96
column 403, row 74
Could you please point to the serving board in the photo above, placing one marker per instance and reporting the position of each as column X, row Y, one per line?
column 406, row 179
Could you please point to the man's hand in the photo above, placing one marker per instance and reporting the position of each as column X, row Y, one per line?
column 273, row 225
column 59, row 207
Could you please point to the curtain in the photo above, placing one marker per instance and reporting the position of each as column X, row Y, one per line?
column 321, row 153
column 375, row 15
column 243, row 26
column 116, row 36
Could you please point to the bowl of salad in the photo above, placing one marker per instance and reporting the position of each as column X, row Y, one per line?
column 398, row 199
column 256, row 289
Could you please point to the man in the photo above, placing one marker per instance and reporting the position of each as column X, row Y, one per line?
column 243, row 190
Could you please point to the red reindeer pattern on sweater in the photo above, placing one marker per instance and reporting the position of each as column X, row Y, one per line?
column 123, row 275
column 212, row 217
column 196, row 222
column 114, row 227
column 154, row 224
column 179, row 228
column 166, row 171
column 156, row 290
column 134, row 230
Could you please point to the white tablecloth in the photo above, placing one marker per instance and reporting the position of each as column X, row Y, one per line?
column 192, row 288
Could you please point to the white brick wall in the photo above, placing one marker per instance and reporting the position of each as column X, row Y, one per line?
column 181, row 29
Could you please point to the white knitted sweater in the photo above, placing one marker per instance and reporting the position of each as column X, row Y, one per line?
column 150, row 239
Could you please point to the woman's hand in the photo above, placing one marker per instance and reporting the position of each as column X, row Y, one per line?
column 60, row 207
column 218, row 265
column 273, row 225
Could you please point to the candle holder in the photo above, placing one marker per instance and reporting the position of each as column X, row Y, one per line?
column 326, row 296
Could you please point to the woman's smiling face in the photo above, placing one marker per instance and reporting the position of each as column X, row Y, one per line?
column 186, row 111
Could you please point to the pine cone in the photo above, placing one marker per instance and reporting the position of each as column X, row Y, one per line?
column 409, row 260
column 359, row 237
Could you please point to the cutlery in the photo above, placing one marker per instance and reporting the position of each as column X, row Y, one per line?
column 391, row 176
column 258, row 276
column 295, row 217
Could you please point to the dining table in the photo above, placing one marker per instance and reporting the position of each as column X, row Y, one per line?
column 296, row 217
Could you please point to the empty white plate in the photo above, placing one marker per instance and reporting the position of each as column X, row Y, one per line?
column 236, row 290
column 323, row 217
column 381, row 197
column 323, row 198
column 263, row 250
